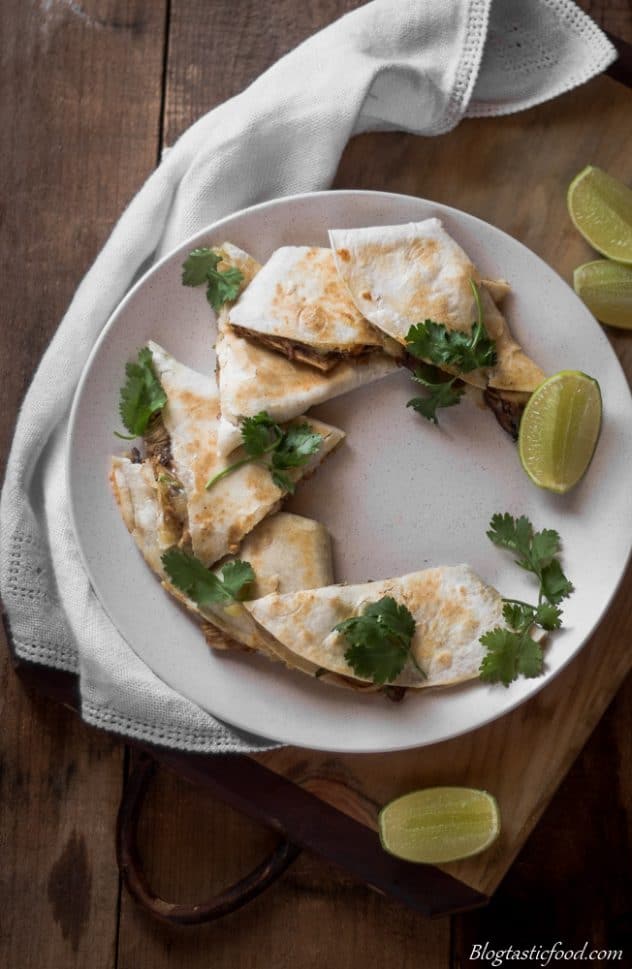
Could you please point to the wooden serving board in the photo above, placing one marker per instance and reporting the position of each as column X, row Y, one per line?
column 512, row 172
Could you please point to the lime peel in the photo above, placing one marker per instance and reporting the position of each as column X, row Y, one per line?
column 600, row 207
column 439, row 824
column 559, row 430
column 606, row 289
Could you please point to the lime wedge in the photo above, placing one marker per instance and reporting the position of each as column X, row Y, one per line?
column 601, row 208
column 559, row 430
column 606, row 289
column 439, row 824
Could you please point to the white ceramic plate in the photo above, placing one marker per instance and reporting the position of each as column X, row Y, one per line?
column 400, row 495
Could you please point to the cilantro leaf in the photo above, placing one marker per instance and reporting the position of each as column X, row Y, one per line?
column 379, row 640
column 283, row 481
column 296, row 446
column 509, row 654
column 196, row 266
column 290, row 448
column 518, row 615
column 548, row 616
column 142, row 395
column 544, row 546
column 259, row 434
column 442, row 394
column 453, row 348
column 530, row 658
column 393, row 616
column 189, row 575
column 235, row 576
column 200, row 267
column 555, row 585
column 511, row 533
column 500, row 663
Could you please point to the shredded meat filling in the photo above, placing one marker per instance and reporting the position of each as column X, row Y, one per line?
column 323, row 360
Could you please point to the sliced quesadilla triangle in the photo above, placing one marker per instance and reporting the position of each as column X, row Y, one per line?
column 297, row 305
column 286, row 551
column 253, row 378
column 451, row 606
column 400, row 275
column 219, row 518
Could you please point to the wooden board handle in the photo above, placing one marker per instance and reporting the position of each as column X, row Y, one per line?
column 133, row 874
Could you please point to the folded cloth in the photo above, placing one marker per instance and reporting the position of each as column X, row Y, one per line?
column 389, row 65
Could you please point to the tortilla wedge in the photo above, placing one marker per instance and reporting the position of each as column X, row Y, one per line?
column 298, row 306
column 217, row 519
column 400, row 275
column 451, row 605
column 253, row 378
column 287, row 552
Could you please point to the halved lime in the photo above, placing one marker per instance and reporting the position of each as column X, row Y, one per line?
column 606, row 289
column 559, row 430
column 601, row 208
column 439, row 824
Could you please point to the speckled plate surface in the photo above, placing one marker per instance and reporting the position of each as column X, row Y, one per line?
column 398, row 496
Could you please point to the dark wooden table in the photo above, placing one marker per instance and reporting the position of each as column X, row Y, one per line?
column 90, row 92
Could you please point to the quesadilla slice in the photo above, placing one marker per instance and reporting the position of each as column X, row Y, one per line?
column 287, row 553
column 452, row 608
column 253, row 378
column 297, row 306
column 217, row 519
column 401, row 275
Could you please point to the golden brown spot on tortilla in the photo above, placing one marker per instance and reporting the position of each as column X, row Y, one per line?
column 344, row 254
column 314, row 317
column 444, row 660
column 367, row 296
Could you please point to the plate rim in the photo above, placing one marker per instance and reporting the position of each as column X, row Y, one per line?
column 538, row 684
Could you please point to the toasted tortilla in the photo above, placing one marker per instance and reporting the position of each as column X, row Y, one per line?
column 298, row 306
column 400, row 275
column 287, row 552
column 219, row 518
column 253, row 378
column 452, row 608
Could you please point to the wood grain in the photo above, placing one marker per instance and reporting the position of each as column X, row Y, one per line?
column 79, row 111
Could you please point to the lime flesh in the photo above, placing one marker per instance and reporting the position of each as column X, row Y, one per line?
column 559, row 430
column 601, row 209
column 439, row 824
column 606, row 289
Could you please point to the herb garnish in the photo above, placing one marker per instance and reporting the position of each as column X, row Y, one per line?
column 190, row 576
column 379, row 640
column 141, row 397
column 433, row 342
column 200, row 267
column 443, row 393
column 513, row 651
column 261, row 436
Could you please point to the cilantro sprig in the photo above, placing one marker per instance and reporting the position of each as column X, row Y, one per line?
column 379, row 640
column 513, row 651
column 206, row 588
column 433, row 342
column 142, row 396
column 200, row 268
column 266, row 443
column 443, row 393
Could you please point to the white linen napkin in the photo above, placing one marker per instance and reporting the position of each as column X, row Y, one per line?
column 391, row 64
